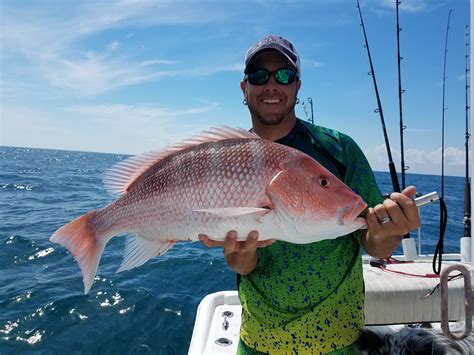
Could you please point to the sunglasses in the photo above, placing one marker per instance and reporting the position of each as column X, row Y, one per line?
column 283, row 76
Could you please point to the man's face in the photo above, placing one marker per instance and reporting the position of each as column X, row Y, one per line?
column 271, row 103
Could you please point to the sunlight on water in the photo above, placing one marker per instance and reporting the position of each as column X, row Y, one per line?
column 81, row 316
column 41, row 254
column 9, row 327
column 23, row 298
column 10, row 239
column 178, row 313
column 23, row 187
column 36, row 337
column 126, row 310
column 115, row 299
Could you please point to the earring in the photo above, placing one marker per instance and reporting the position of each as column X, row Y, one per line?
column 244, row 102
column 297, row 101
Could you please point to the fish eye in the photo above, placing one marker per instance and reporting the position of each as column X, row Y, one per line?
column 324, row 181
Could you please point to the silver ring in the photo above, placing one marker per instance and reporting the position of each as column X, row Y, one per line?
column 384, row 220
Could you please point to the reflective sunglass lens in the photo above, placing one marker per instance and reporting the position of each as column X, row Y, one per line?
column 259, row 77
column 282, row 76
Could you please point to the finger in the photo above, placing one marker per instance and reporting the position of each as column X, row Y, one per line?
column 396, row 213
column 265, row 243
column 209, row 242
column 382, row 214
column 251, row 242
column 373, row 222
column 409, row 191
column 407, row 206
column 230, row 244
column 403, row 212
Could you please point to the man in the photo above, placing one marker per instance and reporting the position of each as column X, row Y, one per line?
column 307, row 298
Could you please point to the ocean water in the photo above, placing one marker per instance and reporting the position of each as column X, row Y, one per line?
column 150, row 309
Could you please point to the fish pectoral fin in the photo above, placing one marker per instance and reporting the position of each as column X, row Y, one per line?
column 233, row 211
column 138, row 250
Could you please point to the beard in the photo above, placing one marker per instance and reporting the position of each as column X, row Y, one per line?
column 272, row 119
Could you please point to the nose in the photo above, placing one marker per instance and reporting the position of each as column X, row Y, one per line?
column 271, row 85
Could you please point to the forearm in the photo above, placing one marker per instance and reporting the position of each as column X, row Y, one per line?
column 380, row 247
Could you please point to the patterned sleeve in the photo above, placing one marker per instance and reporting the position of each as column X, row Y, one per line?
column 359, row 175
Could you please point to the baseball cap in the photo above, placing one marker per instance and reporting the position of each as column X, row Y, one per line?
column 273, row 43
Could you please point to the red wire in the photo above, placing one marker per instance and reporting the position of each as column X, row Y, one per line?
column 430, row 276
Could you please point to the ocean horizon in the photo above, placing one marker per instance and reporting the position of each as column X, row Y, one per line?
column 130, row 155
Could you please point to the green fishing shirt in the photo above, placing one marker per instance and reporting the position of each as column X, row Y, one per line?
column 309, row 298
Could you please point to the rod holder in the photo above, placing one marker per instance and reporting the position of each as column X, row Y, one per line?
column 466, row 256
column 409, row 249
column 468, row 302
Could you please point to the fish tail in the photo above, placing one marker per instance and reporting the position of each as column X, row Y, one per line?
column 80, row 239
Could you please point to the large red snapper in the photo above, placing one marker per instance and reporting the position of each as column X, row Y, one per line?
column 225, row 179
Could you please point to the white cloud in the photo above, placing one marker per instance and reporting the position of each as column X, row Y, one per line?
column 157, row 61
column 412, row 6
column 96, row 74
column 311, row 63
column 408, row 5
column 50, row 42
column 112, row 46
column 28, row 127
column 102, row 128
column 419, row 161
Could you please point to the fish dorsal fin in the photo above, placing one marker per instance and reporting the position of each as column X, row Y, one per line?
column 121, row 176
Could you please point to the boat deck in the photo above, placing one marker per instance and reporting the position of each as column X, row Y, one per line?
column 390, row 298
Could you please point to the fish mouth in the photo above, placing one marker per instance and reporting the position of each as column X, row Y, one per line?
column 347, row 215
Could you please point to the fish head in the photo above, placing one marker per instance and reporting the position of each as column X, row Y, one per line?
column 311, row 203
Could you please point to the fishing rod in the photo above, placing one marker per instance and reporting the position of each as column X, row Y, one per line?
column 467, row 188
column 443, row 216
column 444, row 107
column 403, row 168
column 391, row 165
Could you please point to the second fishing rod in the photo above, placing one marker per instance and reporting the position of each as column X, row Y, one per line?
column 379, row 110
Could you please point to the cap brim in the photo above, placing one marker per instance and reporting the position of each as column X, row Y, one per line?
column 269, row 50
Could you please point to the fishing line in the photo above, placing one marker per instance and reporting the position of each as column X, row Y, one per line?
column 438, row 254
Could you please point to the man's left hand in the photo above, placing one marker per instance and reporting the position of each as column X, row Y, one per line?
column 387, row 222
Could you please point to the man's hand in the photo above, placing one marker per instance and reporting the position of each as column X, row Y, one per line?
column 241, row 256
column 389, row 221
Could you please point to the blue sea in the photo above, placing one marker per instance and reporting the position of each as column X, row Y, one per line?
column 150, row 309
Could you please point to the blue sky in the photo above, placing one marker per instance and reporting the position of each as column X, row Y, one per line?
column 132, row 76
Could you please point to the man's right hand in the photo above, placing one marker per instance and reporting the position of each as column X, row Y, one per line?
column 241, row 256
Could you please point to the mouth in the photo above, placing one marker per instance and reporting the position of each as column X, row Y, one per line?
column 271, row 101
column 347, row 215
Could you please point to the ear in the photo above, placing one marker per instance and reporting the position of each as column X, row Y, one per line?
column 243, row 85
column 298, row 85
